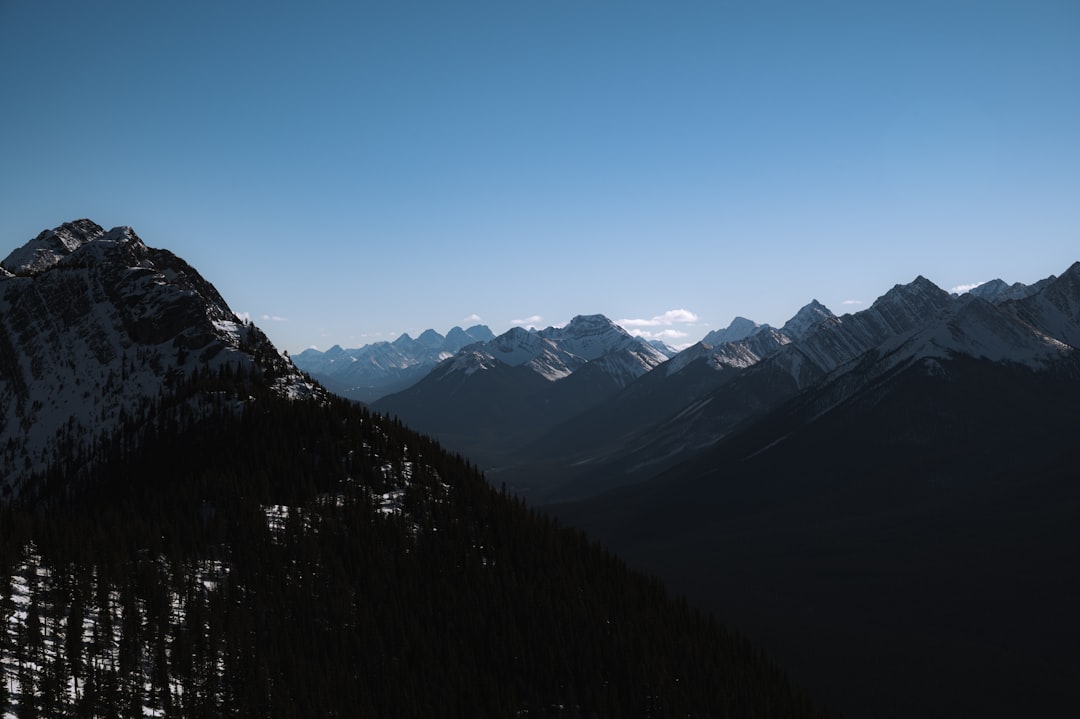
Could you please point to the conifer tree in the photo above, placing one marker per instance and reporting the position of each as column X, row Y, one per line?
column 73, row 637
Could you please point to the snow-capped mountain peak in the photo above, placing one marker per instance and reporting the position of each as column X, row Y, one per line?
column 977, row 328
column 94, row 323
column 918, row 294
column 51, row 246
column 517, row 346
column 807, row 317
column 904, row 306
column 593, row 336
column 557, row 352
column 740, row 328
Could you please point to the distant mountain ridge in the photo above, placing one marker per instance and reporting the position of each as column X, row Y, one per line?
column 590, row 434
column 908, row 324
column 523, row 381
column 557, row 352
column 998, row 290
column 486, row 401
column 374, row 370
column 382, row 368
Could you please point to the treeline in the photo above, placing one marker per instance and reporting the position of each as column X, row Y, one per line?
column 252, row 556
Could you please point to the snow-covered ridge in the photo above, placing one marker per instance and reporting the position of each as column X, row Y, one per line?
column 998, row 290
column 557, row 352
column 744, row 343
column 916, row 327
column 834, row 341
column 919, row 322
column 51, row 246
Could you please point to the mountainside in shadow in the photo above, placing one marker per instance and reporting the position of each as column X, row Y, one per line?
column 680, row 410
column 600, row 447
column 913, row 502
column 492, row 396
column 212, row 534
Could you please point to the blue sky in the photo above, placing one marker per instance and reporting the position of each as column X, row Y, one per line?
column 344, row 172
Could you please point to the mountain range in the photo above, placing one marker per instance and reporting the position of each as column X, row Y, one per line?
column 886, row 500
column 190, row 526
column 381, row 368
column 529, row 406
column 553, row 430
column 886, row 497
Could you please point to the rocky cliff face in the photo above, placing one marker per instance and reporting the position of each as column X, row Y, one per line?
column 94, row 324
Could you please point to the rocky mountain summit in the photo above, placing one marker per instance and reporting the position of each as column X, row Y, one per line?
column 95, row 324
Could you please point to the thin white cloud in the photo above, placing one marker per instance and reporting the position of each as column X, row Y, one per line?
column 664, row 335
column 244, row 316
column 961, row 289
column 671, row 317
column 473, row 318
column 275, row 318
column 528, row 321
column 668, row 337
column 852, row 302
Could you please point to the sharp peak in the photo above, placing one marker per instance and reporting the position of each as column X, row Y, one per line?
column 920, row 283
column 917, row 290
column 813, row 307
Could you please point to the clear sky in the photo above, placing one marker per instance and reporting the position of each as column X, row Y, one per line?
column 347, row 171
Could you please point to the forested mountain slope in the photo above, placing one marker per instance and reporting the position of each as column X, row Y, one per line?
column 237, row 542
column 310, row 559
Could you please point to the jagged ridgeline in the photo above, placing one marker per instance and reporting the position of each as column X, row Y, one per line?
column 193, row 528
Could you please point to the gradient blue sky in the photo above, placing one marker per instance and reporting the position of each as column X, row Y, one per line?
column 347, row 171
